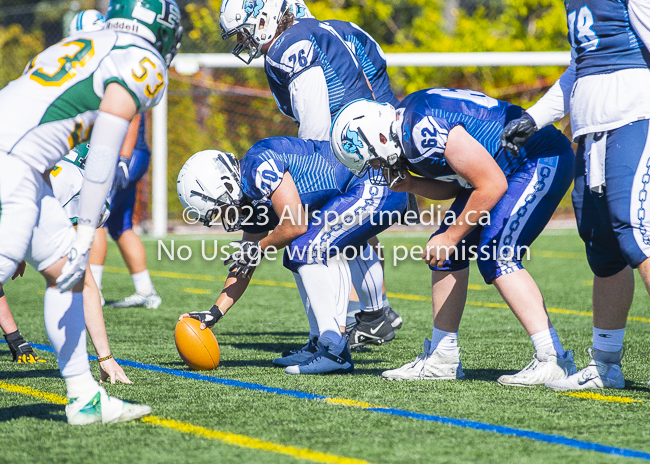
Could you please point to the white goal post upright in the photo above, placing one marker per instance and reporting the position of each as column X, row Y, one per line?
column 190, row 63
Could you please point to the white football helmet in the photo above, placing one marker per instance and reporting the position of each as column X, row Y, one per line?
column 87, row 21
column 299, row 9
column 363, row 137
column 209, row 183
column 256, row 21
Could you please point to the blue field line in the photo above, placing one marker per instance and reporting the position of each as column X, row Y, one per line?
column 462, row 423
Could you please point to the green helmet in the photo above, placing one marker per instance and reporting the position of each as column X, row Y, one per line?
column 158, row 21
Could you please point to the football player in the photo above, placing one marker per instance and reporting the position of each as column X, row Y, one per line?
column 134, row 162
column 66, row 179
column 607, row 91
column 450, row 139
column 313, row 69
column 276, row 185
column 97, row 80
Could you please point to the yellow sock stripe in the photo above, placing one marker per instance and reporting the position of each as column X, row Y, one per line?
column 599, row 397
column 228, row 438
column 401, row 296
column 252, row 443
column 45, row 396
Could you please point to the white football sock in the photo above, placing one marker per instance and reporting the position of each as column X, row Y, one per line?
column 322, row 294
column 340, row 272
column 608, row 340
column 66, row 329
column 368, row 279
column 79, row 384
column 542, row 340
column 97, row 270
column 384, row 300
column 444, row 342
column 142, row 282
column 313, row 324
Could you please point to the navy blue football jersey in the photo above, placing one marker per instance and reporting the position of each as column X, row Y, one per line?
column 371, row 57
column 427, row 116
column 308, row 43
column 603, row 38
column 318, row 176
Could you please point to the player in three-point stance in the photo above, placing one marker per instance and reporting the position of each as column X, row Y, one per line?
column 278, row 182
column 607, row 91
column 101, row 80
column 450, row 138
column 314, row 68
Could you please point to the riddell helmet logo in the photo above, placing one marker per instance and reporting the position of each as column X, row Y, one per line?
column 123, row 26
column 351, row 142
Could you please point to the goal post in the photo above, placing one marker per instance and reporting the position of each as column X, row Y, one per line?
column 191, row 63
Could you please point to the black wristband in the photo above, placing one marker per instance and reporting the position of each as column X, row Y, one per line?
column 216, row 313
column 2, row 292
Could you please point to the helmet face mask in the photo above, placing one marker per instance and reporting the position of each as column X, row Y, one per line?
column 363, row 139
column 209, row 186
column 255, row 23
column 158, row 21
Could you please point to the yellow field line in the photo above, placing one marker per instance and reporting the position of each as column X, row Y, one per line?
column 351, row 403
column 49, row 397
column 228, row 438
column 197, row 291
column 401, row 296
column 557, row 254
column 252, row 443
column 599, row 397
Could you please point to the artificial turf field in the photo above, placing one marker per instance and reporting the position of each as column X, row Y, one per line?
column 261, row 414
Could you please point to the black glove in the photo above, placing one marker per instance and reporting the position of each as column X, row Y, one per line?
column 517, row 132
column 245, row 259
column 122, row 173
column 209, row 318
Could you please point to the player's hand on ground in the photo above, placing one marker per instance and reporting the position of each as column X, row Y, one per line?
column 73, row 269
column 111, row 369
column 20, row 270
column 245, row 259
column 517, row 132
column 206, row 318
column 438, row 250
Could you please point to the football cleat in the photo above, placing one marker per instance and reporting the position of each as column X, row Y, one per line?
column 374, row 332
column 97, row 407
column 604, row 371
column 138, row 300
column 393, row 318
column 294, row 357
column 545, row 367
column 334, row 359
column 429, row 366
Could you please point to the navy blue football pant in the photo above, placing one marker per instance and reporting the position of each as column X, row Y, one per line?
column 123, row 202
column 535, row 190
column 345, row 224
column 615, row 225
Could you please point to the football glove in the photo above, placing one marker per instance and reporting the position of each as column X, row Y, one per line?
column 245, row 259
column 75, row 267
column 209, row 318
column 22, row 352
column 122, row 173
column 517, row 132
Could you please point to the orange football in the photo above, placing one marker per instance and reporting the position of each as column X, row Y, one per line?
column 198, row 348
